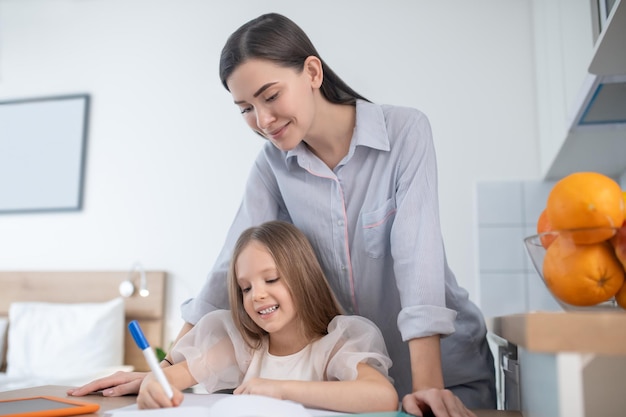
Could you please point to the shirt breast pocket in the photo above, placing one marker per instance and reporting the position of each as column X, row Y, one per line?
column 377, row 229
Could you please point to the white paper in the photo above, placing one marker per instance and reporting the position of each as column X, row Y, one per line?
column 256, row 406
column 226, row 405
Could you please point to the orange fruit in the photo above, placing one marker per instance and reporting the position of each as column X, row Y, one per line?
column 582, row 275
column 586, row 200
column 544, row 226
column 619, row 243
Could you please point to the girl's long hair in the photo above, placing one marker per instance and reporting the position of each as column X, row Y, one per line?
column 298, row 268
column 276, row 38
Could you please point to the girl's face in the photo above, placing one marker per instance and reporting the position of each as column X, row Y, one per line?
column 266, row 298
column 275, row 101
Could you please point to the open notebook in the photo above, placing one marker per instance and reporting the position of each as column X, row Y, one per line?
column 226, row 405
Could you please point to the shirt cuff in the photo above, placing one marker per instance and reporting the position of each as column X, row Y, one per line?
column 422, row 321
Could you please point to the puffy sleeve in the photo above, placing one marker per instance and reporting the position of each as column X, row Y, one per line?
column 352, row 340
column 215, row 352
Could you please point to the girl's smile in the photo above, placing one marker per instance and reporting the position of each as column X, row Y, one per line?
column 267, row 311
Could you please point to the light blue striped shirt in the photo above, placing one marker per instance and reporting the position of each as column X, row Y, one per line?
column 374, row 223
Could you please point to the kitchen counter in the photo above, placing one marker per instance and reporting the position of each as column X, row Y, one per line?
column 110, row 403
column 600, row 332
column 563, row 364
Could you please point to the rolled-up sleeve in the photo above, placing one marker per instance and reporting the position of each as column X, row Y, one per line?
column 416, row 241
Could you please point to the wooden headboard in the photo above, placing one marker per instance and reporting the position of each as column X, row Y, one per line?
column 93, row 286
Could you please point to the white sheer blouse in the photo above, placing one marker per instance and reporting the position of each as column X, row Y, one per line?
column 218, row 358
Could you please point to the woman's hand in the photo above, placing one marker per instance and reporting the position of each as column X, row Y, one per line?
column 152, row 395
column 440, row 402
column 115, row 385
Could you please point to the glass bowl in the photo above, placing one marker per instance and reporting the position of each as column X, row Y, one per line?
column 569, row 239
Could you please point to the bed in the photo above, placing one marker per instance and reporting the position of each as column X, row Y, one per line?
column 69, row 327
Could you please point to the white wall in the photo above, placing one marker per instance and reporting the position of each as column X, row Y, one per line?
column 168, row 153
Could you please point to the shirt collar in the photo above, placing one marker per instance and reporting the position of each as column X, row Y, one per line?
column 370, row 130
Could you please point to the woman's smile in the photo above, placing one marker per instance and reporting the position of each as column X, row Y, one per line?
column 278, row 133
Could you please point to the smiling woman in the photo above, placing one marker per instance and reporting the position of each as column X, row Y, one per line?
column 359, row 179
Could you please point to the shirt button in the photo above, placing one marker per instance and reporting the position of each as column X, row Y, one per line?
column 343, row 267
column 340, row 222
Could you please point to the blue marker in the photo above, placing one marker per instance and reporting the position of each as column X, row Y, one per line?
column 148, row 353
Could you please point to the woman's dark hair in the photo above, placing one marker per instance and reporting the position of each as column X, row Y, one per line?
column 275, row 38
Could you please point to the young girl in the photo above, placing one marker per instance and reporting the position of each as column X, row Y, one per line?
column 284, row 336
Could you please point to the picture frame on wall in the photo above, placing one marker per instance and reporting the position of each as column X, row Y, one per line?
column 43, row 145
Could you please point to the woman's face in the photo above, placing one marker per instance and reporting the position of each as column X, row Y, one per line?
column 275, row 101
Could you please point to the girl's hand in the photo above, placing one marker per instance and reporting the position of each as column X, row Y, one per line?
column 261, row 386
column 440, row 402
column 115, row 385
column 152, row 395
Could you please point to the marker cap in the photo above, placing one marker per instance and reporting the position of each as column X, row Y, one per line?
column 140, row 339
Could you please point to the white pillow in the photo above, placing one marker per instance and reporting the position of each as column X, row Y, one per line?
column 3, row 332
column 54, row 339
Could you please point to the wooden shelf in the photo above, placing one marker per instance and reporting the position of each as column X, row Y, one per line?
column 554, row 332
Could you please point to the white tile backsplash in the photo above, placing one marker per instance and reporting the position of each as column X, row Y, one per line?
column 499, row 203
column 507, row 213
column 535, row 196
column 539, row 297
column 505, row 293
column 502, row 248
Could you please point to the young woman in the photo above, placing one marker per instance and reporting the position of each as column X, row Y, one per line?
column 284, row 336
column 360, row 180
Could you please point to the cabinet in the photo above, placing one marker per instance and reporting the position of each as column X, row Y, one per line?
column 566, row 44
column 609, row 56
column 568, row 364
